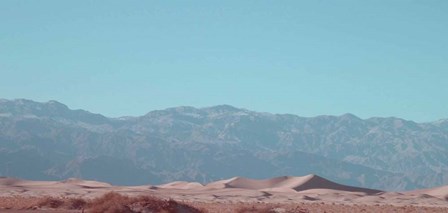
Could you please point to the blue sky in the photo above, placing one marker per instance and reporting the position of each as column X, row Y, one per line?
column 369, row 58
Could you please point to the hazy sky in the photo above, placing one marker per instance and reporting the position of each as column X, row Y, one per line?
column 369, row 58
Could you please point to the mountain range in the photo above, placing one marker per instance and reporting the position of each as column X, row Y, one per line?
column 49, row 141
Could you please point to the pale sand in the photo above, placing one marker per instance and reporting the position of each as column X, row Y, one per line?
column 281, row 190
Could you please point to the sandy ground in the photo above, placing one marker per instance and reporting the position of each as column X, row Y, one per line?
column 284, row 194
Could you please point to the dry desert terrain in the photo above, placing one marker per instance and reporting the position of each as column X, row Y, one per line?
column 309, row 193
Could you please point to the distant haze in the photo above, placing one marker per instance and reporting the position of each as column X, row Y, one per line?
column 369, row 58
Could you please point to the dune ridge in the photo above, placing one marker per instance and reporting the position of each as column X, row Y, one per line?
column 180, row 185
column 439, row 192
column 286, row 183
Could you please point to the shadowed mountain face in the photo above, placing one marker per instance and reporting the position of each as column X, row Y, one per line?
column 51, row 141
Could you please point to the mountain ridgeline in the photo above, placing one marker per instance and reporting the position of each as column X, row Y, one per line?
column 49, row 141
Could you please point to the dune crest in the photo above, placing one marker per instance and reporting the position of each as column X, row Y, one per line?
column 180, row 185
column 8, row 181
column 317, row 182
column 286, row 183
column 440, row 192
column 85, row 183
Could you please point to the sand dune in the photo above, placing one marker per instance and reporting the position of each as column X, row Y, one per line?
column 85, row 183
column 283, row 190
column 7, row 181
column 180, row 185
column 316, row 182
column 286, row 183
column 440, row 192
column 4, row 181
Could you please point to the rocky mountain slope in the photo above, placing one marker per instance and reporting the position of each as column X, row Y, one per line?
column 50, row 141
